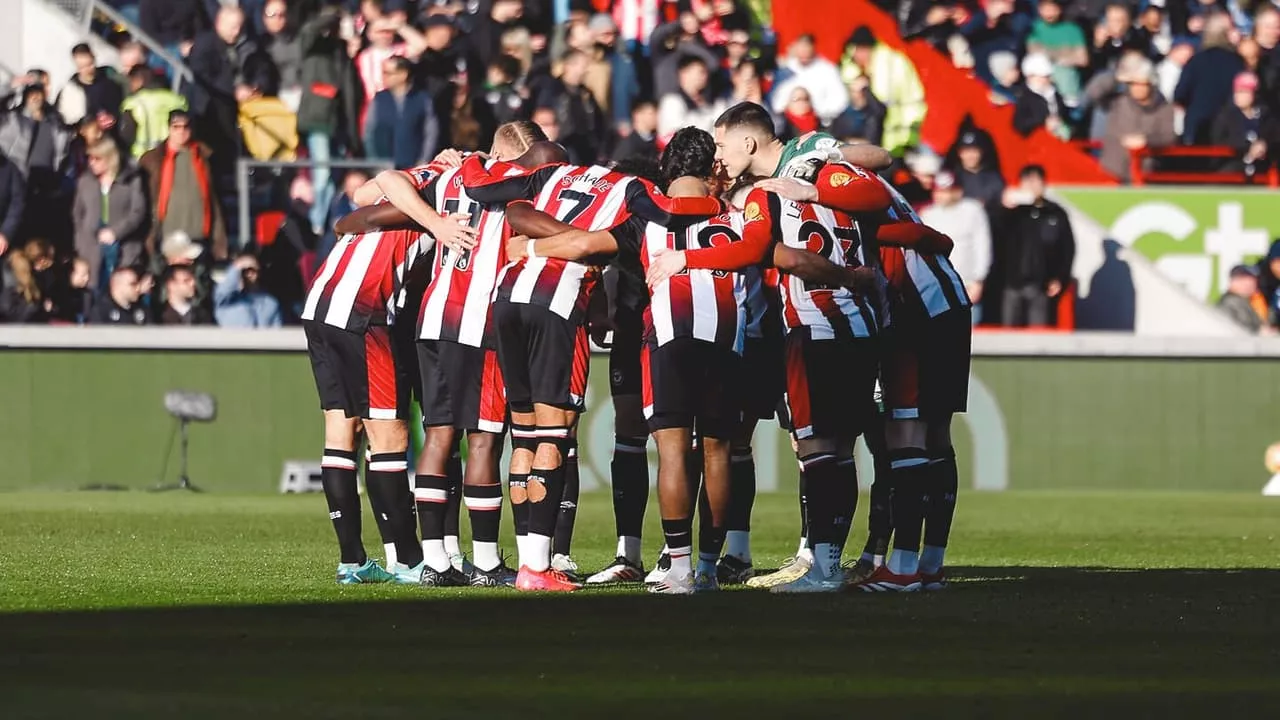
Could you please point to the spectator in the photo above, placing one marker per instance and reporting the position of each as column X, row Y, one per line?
column 283, row 46
column 1033, row 251
column 13, row 198
column 584, row 128
column 500, row 92
column 545, row 119
column 90, row 91
column 1038, row 104
column 1063, row 43
column 1245, row 125
column 329, row 113
column 863, row 120
column 144, row 114
column 798, row 115
column 441, row 61
column 182, row 190
column 637, row 20
column 1269, row 283
column 893, row 81
column 400, row 124
column 109, row 215
column 1154, row 29
column 978, row 179
column 624, row 84
column 342, row 204
column 669, row 44
column 239, row 303
column 122, row 305
column 21, row 300
column 1206, row 80
column 806, row 69
column 965, row 220
column 1169, row 71
column 171, row 22
column 1266, row 35
column 133, row 54
column 486, row 34
column 470, row 125
column 596, row 78
column 1251, row 53
column 33, row 138
column 268, row 128
column 1114, row 36
column 179, row 299
column 916, row 186
column 691, row 106
column 221, row 60
column 388, row 37
column 1242, row 302
column 997, row 27
column 747, row 85
column 1137, row 115
column 89, row 132
column 642, row 141
column 1005, row 77
column 73, row 302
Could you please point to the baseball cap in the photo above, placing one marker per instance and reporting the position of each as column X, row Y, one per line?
column 1245, row 81
column 1243, row 270
column 944, row 180
column 179, row 246
column 969, row 139
column 1037, row 65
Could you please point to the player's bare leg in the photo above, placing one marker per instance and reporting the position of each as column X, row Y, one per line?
column 942, row 486
column 387, row 482
column 905, row 440
column 675, row 505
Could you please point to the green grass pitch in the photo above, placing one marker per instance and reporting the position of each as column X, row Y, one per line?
column 133, row 605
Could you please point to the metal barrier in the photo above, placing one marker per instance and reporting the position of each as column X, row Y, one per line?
column 180, row 70
column 245, row 166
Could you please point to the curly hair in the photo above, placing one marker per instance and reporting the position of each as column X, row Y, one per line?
column 690, row 152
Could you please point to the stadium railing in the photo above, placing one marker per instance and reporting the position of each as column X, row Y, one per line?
column 1207, row 153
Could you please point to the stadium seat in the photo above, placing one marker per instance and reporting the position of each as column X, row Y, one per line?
column 266, row 226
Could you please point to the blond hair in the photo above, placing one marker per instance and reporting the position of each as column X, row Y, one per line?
column 107, row 150
column 519, row 134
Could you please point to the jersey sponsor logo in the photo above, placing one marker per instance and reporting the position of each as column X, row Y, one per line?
column 752, row 212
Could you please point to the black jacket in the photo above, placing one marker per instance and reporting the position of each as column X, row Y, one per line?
column 331, row 93
column 1233, row 129
column 1033, row 245
column 172, row 21
column 1203, row 88
column 635, row 146
column 13, row 197
column 107, row 312
column 985, row 186
column 196, row 316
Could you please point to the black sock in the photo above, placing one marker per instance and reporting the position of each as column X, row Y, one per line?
column 710, row 535
column 432, row 495
column 453, row 508
column 387, row 480
column 848, row 495
column 385, row 532
column 629, row 472
column 804, row 505
column 338, row 477
column 568, row 514
column 880, row 514
column 544, row 501
column 910, row 473
column 484, row 507
column 827, row 500
column 517, row 484
column 742, row 491
column 943, row 484
column 679, row 536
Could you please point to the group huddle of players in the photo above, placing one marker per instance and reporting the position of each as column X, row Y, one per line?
column 739, row 279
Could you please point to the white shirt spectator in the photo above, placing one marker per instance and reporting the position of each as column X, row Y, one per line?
column 806, row 69
column 965, row 220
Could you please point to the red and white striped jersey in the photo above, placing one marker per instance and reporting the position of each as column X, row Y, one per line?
column 919, row 281
column 360, row 281
column 456, row 304
column 636, row 19
column 585, row 197
column 828, row 312
column 708, row 305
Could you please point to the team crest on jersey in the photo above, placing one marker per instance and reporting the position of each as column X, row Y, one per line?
column 824, row 143
column 840, row 179
column 752, row 212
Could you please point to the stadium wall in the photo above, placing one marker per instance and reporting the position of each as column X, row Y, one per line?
column 84, row 406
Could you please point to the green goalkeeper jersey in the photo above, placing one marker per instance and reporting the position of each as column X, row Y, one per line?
column 800, row 146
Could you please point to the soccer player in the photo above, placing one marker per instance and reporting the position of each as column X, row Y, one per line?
column 539, row 308
column 831, row 356
column 347, row 319
column 462, row 386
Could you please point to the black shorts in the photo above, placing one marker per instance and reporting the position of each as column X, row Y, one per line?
column 544, row 357
column 692, row 383
column 926, row 367
column 830, row 385
column 624, row 354
column 763, row 378
column 358, row 373
column 463, row 387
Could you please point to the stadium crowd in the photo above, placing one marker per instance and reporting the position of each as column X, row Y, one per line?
column 117, row 193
